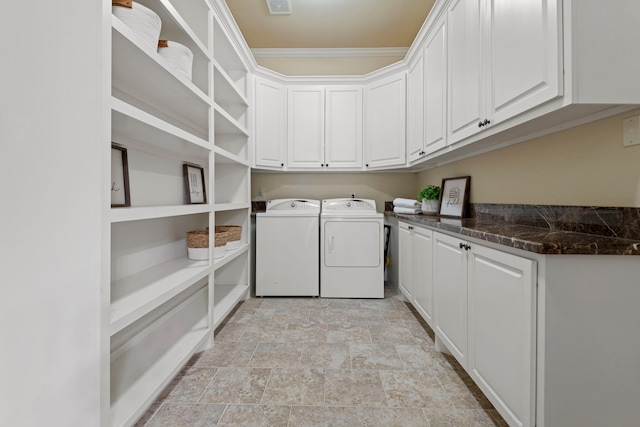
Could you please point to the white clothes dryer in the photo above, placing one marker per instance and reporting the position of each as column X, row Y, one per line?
column 287, row 248
column 352, row 249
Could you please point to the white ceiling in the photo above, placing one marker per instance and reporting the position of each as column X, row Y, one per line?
column 331, row 24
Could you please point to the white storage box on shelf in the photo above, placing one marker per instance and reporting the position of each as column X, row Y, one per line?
column 142, row 20
column 177, row 55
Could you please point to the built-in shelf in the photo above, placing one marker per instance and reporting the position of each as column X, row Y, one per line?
column 226, row 91
column 222, row 156
column 152, row 212
column 142, row 77
column 225, row 299
column 222, row 207
column 137, row 295
column 230, row 256
column 147, row 362
column 132, row 126
column 225, row 124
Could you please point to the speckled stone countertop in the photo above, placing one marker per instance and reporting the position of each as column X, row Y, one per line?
column 545, row 229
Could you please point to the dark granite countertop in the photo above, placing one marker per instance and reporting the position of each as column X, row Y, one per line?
column 536, row 238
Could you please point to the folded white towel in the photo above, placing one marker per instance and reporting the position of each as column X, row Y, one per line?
column 406, row 203
column 409, row 211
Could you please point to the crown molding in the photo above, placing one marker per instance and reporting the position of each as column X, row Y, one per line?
column 328, row 52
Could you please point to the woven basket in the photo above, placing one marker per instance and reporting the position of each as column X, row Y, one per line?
column 221, row 238
column 142, row 21
column 198, row 239
column 235, row 231
column 234, row 235
column 178, row 55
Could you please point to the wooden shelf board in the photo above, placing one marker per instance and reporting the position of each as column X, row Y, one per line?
column 230, row 256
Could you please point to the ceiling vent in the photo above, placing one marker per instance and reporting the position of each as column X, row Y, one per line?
column 279, row 7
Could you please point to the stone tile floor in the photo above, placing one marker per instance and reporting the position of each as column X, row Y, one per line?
column 302, row 362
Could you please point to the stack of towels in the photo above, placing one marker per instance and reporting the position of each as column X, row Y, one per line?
column 406, row 206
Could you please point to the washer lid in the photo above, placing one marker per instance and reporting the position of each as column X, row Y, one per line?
column 348, row 206
column 293, row 207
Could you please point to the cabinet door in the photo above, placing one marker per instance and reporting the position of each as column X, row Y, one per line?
column 502, row 331
column 343, row 127
column 270, row 130
column 466, row 84
column 415, row 110
column 405, row 244
column 450, row 294
column 435, row 88
column 423, row 272
column 385, row 122
column 524, row 45
column 305, row 106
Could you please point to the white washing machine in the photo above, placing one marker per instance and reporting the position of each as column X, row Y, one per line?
column 352, row 249
column 287, row 248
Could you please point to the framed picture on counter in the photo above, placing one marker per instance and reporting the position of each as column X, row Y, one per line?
column 194, row 184
column 454, row 197
column 119, row 177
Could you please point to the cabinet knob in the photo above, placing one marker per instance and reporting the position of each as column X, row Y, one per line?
column 480, row 124
column 281, row 165
column 367, row 165
column 486, row 122
column 327, row 164
column 321, row 165
column 461, row 245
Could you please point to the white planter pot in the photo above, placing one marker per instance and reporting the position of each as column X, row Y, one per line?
column 429, row 207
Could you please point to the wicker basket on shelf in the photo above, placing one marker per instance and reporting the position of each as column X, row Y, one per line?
column 220, row 244
column 198, row 245
column 234, row 235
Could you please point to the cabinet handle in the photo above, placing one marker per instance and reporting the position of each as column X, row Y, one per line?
column 465, row 246
column 480, row 124
column 486, row 122
column 461, row 245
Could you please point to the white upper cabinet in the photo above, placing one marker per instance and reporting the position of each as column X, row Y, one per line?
column 385, row 122
column 435, row 87
column 305, row 106
column 270, row 123
column 523, row 41
column 343, row 127
column 324, row 127
column 503, row 59
column 415, row 110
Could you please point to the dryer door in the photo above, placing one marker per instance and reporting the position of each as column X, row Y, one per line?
column 352, row 243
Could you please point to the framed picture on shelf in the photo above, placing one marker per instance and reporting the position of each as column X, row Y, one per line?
column 119, row 177
column 194, row 184
column 454, row 197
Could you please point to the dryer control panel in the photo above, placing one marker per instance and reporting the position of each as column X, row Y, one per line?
column 349, row 205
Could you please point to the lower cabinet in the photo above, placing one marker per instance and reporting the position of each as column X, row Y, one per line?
column 416, row 265
column 484, row 306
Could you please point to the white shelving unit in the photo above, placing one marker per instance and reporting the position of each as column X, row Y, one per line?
column 164, row 307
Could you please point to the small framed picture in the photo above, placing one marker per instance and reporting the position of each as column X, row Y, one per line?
column 119, row 177
column 194, row 184
column 454, row 197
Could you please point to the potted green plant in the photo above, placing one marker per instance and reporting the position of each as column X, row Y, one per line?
column 430, row 196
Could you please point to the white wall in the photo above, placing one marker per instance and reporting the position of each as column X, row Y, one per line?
column 583, row 166
column 378, row 186
column 50, row 213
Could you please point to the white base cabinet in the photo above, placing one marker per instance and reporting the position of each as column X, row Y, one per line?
column 416, row 264
column 502, row 330
column 527, row 327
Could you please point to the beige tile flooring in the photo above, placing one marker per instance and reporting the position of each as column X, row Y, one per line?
column 323, row 362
